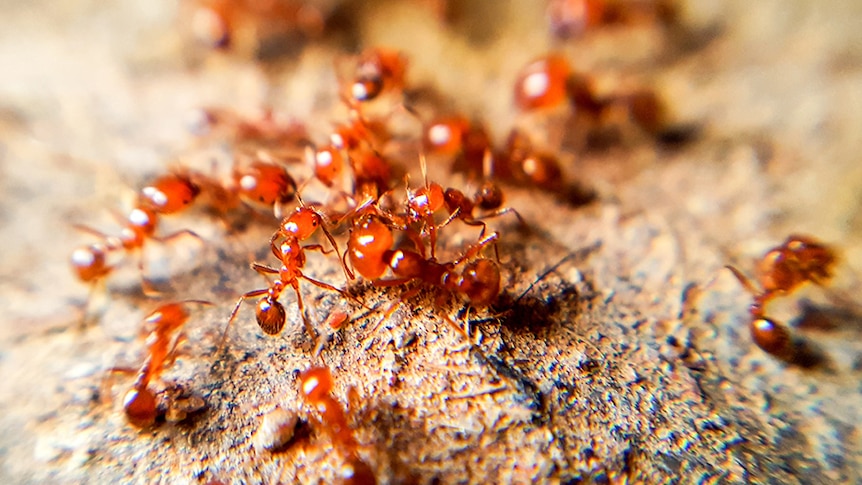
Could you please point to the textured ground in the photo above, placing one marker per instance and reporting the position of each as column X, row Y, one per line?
column 628, row 360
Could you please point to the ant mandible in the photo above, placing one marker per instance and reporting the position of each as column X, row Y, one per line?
column 315, row 386
column 782, row 270
column 140, row 401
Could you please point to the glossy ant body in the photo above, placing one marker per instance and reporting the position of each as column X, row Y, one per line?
column 378, row 70
column 166, row 195
column 369, row 249
column 315, row 386
column 140, row 402
column 295, row 228
column 782, row 270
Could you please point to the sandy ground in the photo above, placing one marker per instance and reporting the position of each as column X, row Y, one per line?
column 628, row 361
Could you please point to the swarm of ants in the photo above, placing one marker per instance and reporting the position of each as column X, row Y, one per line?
column 393, row 226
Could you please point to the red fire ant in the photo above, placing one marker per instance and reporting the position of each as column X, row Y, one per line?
column 140, row 403
column 378, row 70
column 167, row 194
column 783, row 269
column 542, row 83
column 294, row 229
column 315, row 386
column 569, row 18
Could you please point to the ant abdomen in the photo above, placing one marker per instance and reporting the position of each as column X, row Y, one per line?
column 140, row 407
column 270, row 315
column 772, row 337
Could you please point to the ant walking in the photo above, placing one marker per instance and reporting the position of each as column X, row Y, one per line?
column 294, row 229
column 315, row 386
column 141, row 403
column 782, row 270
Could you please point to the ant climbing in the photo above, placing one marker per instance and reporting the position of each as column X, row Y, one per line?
column 315, row 387
column 782, row 270
column 140, row 402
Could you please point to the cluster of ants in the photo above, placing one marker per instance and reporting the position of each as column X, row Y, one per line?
column 394, row 229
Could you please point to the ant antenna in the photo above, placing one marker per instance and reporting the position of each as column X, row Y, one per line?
column 576, row 254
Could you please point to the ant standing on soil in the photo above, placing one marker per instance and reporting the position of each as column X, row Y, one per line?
column 315, row 387
column 783, row 269
column 140, row 402
column 166, row 195
column 294, row 229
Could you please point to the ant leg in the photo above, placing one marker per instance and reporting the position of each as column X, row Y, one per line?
column 744, row 280
column 454, row 215
column 250, row 294
column 108, row 381
column 317, row 247
column 475, row 249
column 263, row 269
column 505, row 210
column 91, row 231
column 177, row 235
column 394, row 306
column 327, row 286
column 312, row 334
column 347, row 271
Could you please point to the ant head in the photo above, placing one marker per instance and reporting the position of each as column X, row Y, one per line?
column 140, row 407
column 480, row 282
column 302, row 223
column 270, row 315
column 426, row 200
column 489, row 196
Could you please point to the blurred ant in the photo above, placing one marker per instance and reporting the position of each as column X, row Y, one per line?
column 377, row 70
column 268, row 134
column 315, row 387
column 571, row 18
column 294, row 229
column 252, row 27
column 549, row 81
column 783, row 269
column 166, row 195
column 141, row 403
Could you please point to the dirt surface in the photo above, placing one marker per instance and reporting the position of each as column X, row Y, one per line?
column 629, row 359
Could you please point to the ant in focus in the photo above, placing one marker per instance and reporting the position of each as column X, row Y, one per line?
column 141, row 403
column 315, row 387
column 782, row 270
column 294, row 229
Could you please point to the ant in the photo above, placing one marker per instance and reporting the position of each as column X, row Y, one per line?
column 140, row 402
column 315, row 386
column 570, row 18
column 295, row 228
column 166, row 195
column 266, row 184
column 425, row 201
column 542, row 83
column 371, row 254
column 783, row 269
column 378, row 70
